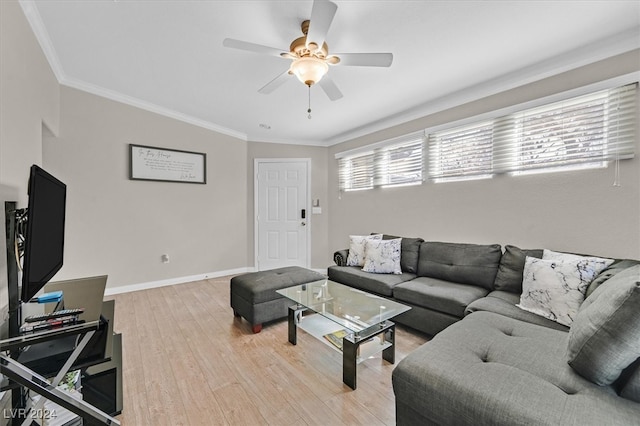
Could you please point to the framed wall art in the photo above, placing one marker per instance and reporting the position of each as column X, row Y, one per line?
column 167, row 165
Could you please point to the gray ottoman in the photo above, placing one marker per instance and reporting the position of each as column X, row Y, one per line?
column 254, row 297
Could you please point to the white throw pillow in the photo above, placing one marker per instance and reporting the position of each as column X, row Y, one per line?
column 382, row 256
column 356, row 248
column 593, row 264
column 555, row 287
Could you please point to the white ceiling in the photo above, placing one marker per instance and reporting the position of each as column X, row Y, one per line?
column 167, row 56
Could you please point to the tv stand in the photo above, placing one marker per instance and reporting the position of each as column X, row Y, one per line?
column 28, row 378
column 101, row 375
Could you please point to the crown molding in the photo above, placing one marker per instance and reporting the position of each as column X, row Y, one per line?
column 35, row 21
column 148, row 106
column 37, row 26
column 304, row 142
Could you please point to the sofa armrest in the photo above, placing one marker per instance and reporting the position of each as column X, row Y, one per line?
column 340, row 257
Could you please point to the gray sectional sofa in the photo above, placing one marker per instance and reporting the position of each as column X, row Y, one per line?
column 491, row 362
column 442, row 282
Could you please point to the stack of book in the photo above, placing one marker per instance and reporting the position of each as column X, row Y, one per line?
column 336, row 338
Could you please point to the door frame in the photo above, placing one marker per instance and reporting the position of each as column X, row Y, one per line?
column 256, row 163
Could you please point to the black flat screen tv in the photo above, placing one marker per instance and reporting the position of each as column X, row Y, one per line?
column 44, row 235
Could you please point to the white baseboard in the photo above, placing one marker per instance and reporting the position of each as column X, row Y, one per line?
column 182, row 280
column 172, row 281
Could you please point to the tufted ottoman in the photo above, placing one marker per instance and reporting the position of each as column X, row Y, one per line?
column 254, row 297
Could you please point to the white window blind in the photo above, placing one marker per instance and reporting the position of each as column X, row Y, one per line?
column 388, row 163
column 356, row 172
column 577, row 132
column 461, row 153
column 400, row 164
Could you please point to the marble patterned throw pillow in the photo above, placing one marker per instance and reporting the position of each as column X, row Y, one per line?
column 555, row 287
column 382, row 256
column 356, row 248
column 593, row 265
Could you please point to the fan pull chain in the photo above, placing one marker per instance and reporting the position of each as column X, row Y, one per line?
column 309, row 110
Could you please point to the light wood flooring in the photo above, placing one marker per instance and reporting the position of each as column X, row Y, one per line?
column 188, row 361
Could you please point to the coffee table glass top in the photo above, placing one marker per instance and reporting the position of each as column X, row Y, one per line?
column 354, row 309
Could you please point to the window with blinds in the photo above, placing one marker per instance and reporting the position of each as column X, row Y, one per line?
column 585, row 131
column 356, row 172
column 398, row 163
column 581, row 132
column 461, row 153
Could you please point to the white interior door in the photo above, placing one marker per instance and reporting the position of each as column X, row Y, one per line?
column 282, row 213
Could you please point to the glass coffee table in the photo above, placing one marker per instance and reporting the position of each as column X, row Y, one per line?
column 348, row 320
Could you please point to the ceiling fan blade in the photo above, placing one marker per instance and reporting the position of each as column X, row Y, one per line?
column 252, row 47
column 365, row 59
column 322, row 14
column 275, row 83
column 330, row 88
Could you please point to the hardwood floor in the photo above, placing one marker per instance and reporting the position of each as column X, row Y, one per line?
column 188, row 361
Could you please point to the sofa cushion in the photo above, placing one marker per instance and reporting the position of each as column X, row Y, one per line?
column 618, row 265
column 504, row 303
column 409, row 251
column 382, row 256
column 509, row 276
column 356, row 248
column 605, row 336
column 555, row 288
column 460, row 263
column 490, row 369
column 381, row 284
column 439, row 295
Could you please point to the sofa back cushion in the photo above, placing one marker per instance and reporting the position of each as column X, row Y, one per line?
column 461, row 263
column 604, row 338
column 409, row 250
column 509, row 276
column 617, row 266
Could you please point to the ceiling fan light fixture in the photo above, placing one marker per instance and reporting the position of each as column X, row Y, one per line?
column 309, row 69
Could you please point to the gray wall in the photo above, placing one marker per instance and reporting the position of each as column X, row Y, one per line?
column 29, row 98
column 122, row 227
column 29, row 101
column 577, row 211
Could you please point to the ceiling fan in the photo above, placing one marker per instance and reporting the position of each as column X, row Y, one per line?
column 310, row 54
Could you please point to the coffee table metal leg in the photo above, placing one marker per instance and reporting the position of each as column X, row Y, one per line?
column 293, row 337
column 349, row 364
column 389, row 354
